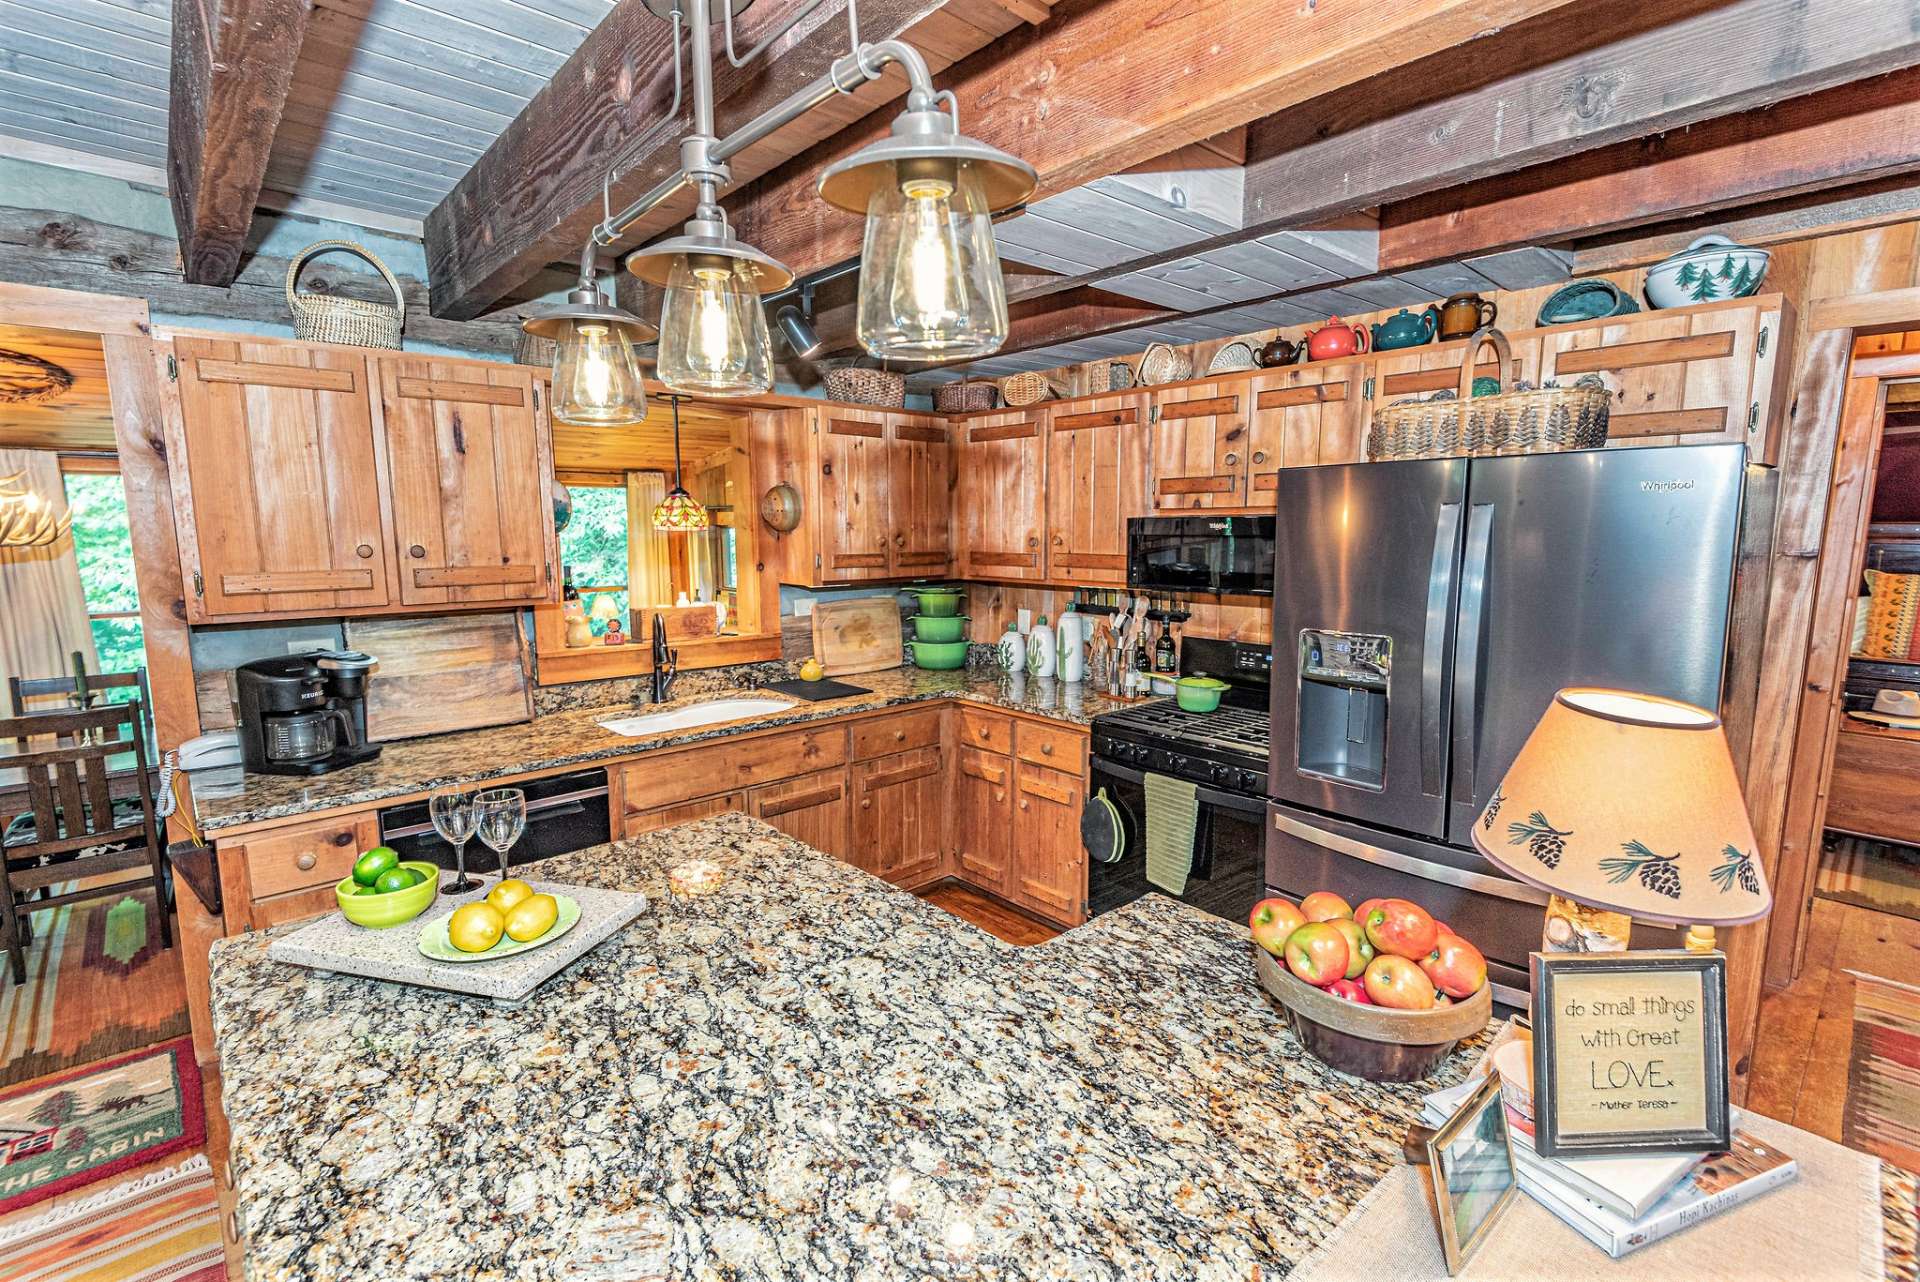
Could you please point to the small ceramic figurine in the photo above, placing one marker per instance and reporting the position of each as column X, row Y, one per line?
column 613, row 636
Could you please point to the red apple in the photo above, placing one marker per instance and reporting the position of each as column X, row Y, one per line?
column 1324, row 905
column 1359, row 951
column 1367, row 906
column 1401, row 928
column 1317, row 953
column 1272, row 921
column 1350, row 990
column 1398, row 983
column 1455, row 966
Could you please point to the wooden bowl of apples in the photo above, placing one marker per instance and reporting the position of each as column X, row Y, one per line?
column 1382, row 992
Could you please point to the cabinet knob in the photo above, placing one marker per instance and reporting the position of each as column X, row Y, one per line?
column 1059, row 539
column 416, row 551
column 1023, row 803
column 899, row 736
column 1033, row 540
column 1046, row 750
column 1232, row 459
column 866, row 803
column 364, row 551
column 305, row 862
column 900, row 540
column 1259, row 456
column 999, row 796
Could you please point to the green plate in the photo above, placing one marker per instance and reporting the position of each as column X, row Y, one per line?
column 435, row 944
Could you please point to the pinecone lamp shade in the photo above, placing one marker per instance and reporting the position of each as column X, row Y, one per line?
column 1629, row 802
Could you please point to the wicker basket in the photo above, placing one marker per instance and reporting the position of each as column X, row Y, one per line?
column 1539, row 421
column 324, row 318
column 1109, row 376
column 1163, row 363
column 1233, row 358
column 964, row 397
column 859, row 385
column 1027, row 388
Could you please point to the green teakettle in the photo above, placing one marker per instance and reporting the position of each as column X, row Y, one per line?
column 1404, row 329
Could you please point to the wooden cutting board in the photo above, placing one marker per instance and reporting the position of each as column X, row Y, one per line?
column 449, row 672
column 861, row 635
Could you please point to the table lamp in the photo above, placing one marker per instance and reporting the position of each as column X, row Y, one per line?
column 1629, row 802
column 605, row 609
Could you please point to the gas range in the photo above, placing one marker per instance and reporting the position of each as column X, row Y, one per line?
column 1225, row 749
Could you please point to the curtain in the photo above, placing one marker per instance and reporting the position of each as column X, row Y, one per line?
column 700, row 564
column 649, row 575
column 43, row 610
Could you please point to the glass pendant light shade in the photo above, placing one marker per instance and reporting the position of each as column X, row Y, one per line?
column 596, row 379
column 713, row 331
column 930, row 286
column 679, row 513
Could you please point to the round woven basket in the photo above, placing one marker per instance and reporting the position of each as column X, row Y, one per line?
column 1233, row 358
column 1164, row 363
column 860, row 385
column 964, row 397
column 1029, row 387
column 324, row 318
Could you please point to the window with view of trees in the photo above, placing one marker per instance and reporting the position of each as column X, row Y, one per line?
column 594, row 544
column 103, row 547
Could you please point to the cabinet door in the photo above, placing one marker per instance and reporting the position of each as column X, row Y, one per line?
column 635, row 823
column 1098, row 467
column 1049, row 863
column 279, row 507
column 920, row 496
column 1685, row 375
column 983, row 818
column 812, row 808
column 899, row 815
column 1304, row 415
column 472, row 475
column 855, row 536
column 1002, row 487
column 1200, row 445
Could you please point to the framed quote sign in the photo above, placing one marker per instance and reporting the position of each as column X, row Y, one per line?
column 1629, row 1053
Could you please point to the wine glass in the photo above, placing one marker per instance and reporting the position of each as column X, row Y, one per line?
column 454, row 819
column 501, row 815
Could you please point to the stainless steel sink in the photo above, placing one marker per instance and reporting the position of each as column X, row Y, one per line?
column 700, row 714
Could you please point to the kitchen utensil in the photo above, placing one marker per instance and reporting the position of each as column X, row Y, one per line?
column 500, row 816
column 1404, row 329
column 937, row 603
column 331, row 318
column 454, row 819
column 1462, row 314
column 377, row 912
column 1280, row 351
column 1709, row 270
column 434, row 942
column 932, row 627
column 859, row 385
column 780, row 508
column 939, row 656
column 815, row 691
column 858, row 635
column 1164, row 363
column 1374, row 1042
column 1537, row 421
column 1198, row 694
column 1233, row 358
column 443, row 673
column 1584, row 300
column 1335, row 339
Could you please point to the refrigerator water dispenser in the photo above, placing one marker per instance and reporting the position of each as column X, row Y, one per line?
column 1343, row 707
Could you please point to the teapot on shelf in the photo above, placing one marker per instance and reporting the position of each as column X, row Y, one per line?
column 1336, row 339
column 1404, row 329
column 1281, row 352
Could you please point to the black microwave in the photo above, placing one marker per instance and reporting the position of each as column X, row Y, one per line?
column 1220, row 555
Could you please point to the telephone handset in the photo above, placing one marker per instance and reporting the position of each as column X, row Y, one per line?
column 204, row 752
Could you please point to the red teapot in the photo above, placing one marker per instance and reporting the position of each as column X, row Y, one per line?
column 1335, row 339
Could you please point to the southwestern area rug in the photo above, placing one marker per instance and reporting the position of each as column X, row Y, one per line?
column 1882, row 1113
column 162, row 1226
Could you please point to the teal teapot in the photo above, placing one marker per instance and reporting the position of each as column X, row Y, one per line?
column 1404, row 329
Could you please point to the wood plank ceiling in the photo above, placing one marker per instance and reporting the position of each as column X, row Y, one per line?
column 81, row 418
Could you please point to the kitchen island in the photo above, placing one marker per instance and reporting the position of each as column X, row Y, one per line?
column 804, row 1073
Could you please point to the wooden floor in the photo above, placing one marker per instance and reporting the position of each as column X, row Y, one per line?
column 997, row 919
column 1800, row 1053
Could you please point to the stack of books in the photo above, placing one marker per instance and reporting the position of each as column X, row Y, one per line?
column 1620, row 1204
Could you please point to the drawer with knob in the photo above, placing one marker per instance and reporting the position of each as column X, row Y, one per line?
column 988, row 731
column 1054, row 746
column 901, row 732
column 313, row 854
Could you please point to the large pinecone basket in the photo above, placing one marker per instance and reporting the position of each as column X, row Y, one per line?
column 1539, row 420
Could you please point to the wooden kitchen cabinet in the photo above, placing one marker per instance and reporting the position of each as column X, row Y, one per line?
column 812, row 808
column 1304, row 415
column 284, row 874
column 278, row 508
column 472, row 506
column 1098, row 463
column 635, row 823
column 1200, row 445
column 900, row 815
column 1049, row 865
column 919, row 496
column 855, row 536
column 1001, row 495
column 983, row 819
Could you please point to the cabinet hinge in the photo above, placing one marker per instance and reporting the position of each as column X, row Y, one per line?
column 173, row 369
column 1753, row 417
column 199, row 584
column 1367, row 393
column 1153, row 415
column 549, row 574
column 1760, row 347
column 816, row 560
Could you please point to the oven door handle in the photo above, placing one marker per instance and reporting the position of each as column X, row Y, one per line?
column 1433, row 656
column 1206, row 795
column 1446, row 874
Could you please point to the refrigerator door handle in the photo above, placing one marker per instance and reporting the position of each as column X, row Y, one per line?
column 1433, row 673
column 1466, row 667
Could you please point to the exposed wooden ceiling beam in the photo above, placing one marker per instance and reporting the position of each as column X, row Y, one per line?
column 536, row 193
column 1108, row 84
column 1859, row 132
column 232, row 63
column 1551, row 88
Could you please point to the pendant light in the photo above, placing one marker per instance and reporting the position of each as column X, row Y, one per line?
column 26, row 519
column 713, row 330
column 679, row 512
column 930, row 284
column 596, row 376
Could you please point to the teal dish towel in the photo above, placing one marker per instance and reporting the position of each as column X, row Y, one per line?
column 1173, row 809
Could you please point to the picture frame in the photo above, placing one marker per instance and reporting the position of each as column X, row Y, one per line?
column 1630, row 1053
column 1474, row 1180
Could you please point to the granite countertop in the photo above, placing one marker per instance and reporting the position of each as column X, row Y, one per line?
column 803, row 1074
column 572, row 738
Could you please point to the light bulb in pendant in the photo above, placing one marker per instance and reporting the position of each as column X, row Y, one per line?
column 713, row 331
column 596, row 376
column 930, row 285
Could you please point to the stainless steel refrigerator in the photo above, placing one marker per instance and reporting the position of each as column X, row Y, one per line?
column 1425, row 612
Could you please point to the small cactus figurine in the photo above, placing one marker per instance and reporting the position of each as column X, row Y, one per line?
column 1542, row 840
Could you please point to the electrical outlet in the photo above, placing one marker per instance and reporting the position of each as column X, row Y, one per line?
column 803, row 607
column 1026, row 621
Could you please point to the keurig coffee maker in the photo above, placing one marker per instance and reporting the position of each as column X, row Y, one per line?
column 304, row 714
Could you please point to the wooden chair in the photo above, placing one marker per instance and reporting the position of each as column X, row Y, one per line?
column 22, row 689
column 75, row 834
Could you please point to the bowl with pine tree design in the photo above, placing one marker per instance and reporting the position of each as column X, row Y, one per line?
column 1710, row 270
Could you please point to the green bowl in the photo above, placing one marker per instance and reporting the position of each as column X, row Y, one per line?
column 929, row 627
column 939, row 656
column 938, row 603
column 394, row 907
column 1198, row 694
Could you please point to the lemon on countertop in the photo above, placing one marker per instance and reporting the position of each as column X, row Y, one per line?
column 474, row 928
column 508, row 893
column 532, row 917
column 811, row 670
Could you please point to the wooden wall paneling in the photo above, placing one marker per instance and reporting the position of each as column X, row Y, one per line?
column 920, row 494
column 1000, row 495
column 1099, row 470
column 855, row 538
column 1199, row 436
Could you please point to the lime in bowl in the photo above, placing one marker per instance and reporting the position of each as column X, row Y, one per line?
column 364, row 906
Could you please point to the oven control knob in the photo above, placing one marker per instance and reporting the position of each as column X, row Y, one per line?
column 1222, row 776
column 1252, row 780
column 1103, row 746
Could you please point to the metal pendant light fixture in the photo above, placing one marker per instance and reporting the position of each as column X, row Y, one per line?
column 596, row 376
column 930, row 277
column 679, row 512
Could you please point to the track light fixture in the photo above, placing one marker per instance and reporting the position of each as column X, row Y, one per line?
column 796, row 326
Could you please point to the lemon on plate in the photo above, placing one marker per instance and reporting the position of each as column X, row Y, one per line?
column 532, row 917
column 474, row 928
column 508, row 893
